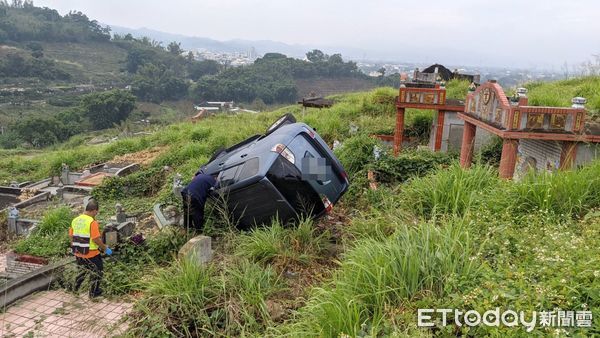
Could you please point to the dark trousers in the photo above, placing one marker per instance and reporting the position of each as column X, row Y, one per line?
column 193, row 212
column 92, row 267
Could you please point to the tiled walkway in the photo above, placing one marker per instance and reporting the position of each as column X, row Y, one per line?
column 2, row 263
column 60, row 314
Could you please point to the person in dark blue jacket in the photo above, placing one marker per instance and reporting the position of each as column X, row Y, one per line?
column 194, row 196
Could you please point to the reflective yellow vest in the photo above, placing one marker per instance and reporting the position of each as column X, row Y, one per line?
column 82, row 241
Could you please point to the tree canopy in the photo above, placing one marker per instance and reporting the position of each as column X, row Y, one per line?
column 271, row 78
column 22, row 21
column 106, row 108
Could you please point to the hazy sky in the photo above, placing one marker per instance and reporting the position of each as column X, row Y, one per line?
column 510, row 32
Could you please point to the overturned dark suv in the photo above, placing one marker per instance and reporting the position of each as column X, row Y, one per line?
column 289, row 173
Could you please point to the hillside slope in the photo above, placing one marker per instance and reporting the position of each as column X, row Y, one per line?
column 431, row 236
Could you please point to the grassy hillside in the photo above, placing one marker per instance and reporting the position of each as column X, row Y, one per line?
column 560, row 93
column 91, row 62
column 432, row 236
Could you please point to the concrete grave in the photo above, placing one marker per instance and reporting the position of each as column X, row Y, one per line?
column 168, row 216
column 197, row 249
column 125, row 229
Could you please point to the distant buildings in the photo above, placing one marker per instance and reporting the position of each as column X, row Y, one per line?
column 214, row 107
column 234, row 59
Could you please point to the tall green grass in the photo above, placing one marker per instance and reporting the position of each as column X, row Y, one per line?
column 179, row 300
column 282, row 246
column 457, row 89
column 249, row 285
column 560, row 93
column 570, row 193
column 450, row 191
column 186, row 299
column 376, row 275
column 51, row 237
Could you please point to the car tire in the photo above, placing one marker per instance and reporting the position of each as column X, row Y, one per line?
column 218, row 153
column 282, row 121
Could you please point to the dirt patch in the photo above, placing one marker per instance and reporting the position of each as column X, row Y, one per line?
column 144, row 157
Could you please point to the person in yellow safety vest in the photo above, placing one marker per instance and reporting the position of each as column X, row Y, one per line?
column 85, row 242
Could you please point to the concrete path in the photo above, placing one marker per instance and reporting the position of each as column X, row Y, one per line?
column 2, row 263
column 60, row 314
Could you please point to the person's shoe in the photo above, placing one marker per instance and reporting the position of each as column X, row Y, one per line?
column 96, row 298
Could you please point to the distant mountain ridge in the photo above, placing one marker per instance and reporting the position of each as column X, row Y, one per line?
column 236, row 45
column 230, row 46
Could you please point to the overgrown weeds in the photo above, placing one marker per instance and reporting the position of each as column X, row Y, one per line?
column 375, row 275
column 50, row 239
column 283, row 246
column 188, row 299
column 450, row 191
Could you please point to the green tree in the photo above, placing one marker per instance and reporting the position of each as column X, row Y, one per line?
column 137, row 57
column 105, row 108
column 37, row 51
column 10, row 139
column 198, row 69
column 316, row 55
column 175, row 48
column 38, row 131
column 157, row 83
column 189, row 57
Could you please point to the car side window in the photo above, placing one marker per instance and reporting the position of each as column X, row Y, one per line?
column 227, row 176
column 249, row 169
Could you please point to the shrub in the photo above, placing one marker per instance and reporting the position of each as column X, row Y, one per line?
column 419, row 126
column 396, row 169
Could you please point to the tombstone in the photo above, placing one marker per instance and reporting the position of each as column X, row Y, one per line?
column 13, row 218
column 60, row 192
column 121, row 216
column 197, row 250
column 125, row 229
column 64, row 174
column 171, row 213
column 177, row 185
column 111, row 238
